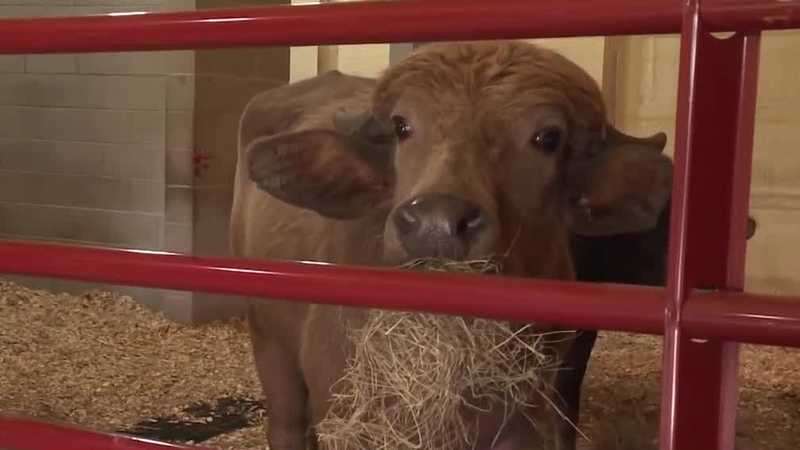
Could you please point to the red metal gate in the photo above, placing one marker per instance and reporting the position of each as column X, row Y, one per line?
column 702, row 313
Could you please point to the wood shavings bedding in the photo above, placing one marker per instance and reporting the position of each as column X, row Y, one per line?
column 102, row 360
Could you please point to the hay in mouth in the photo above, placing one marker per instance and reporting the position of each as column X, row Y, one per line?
column 412, row 375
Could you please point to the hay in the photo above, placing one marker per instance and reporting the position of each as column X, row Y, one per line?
column 412, row 375
column 478, row 266
column 103, row 361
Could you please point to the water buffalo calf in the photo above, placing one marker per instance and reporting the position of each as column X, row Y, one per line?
column 463, row 150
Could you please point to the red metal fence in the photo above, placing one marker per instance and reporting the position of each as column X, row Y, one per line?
column 702, row 313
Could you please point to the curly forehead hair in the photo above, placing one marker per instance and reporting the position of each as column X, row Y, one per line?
column 514, row 73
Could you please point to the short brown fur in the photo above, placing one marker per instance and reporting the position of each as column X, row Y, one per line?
column 474, row 107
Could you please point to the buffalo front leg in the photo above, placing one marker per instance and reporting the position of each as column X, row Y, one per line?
column 569, row 383
column 285, row 392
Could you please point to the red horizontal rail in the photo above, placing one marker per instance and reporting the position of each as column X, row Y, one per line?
column 739, row 317
column 380, row 21
column 17, row 433
column 750, row 15
column 583, row 305
column 340, row 23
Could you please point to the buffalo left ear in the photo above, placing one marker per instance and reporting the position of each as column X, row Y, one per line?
column 617, row 184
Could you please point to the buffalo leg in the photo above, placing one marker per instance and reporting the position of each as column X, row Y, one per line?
column 570, row 380
column 285, row 392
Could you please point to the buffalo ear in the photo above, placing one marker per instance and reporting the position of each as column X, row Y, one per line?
column 617, row 184
column 340, row 176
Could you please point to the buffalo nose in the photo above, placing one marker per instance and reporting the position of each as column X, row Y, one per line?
column 439, row 225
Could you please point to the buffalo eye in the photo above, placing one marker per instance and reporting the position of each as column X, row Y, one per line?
column 401, row 128
column 547, row 139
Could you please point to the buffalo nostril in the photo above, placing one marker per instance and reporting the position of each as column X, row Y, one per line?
column 472, row 222
column 406, row 220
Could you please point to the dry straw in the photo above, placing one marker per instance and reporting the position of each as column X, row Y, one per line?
column 411, row 375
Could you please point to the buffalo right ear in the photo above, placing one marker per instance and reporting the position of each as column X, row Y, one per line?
column 322, row 170
column 617, row 184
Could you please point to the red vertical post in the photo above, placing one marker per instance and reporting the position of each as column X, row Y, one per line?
column 713, row 153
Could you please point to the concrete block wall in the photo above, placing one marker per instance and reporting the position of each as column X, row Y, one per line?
column 98, row 149
column 88, row 142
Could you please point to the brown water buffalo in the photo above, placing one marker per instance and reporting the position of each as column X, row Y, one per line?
column 462, row 151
